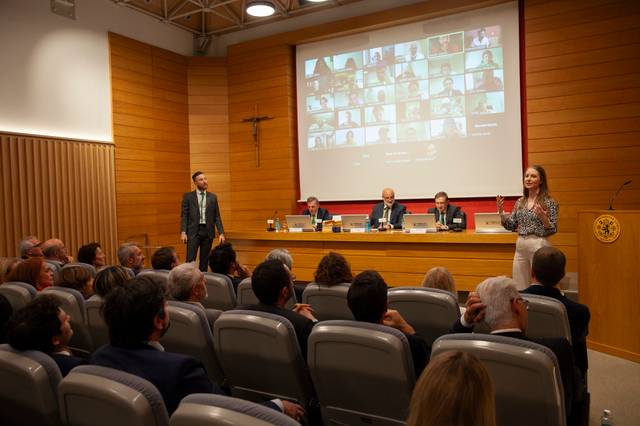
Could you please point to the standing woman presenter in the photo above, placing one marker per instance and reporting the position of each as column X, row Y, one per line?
column 534, row 218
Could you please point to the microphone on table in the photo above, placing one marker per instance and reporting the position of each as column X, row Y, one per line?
column 616, row 194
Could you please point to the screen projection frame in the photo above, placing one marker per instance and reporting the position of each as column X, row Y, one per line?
column 447, row 170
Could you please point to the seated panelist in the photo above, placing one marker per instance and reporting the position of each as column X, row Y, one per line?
column 388, row 209
column 448, row 216
column 317, row 213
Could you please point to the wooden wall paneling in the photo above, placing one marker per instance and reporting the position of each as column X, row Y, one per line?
column 151, row 134
column 56, row 188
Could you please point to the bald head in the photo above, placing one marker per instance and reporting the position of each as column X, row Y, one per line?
column 388, row 196
column 54, row 249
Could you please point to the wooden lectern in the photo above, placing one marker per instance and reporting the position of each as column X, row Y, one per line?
column 609, row 279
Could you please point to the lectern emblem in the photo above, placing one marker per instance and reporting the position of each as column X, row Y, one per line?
column 606, row 228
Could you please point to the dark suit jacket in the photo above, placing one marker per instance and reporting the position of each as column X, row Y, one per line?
column 190, row 218
column 67, row 362
column 395, row 218
column 322, row 214
column 452, row 212
column 571, row 377
column 302, row 325
column 579, row 317
column 175, row 375
column 6, row 310
column 420, row 352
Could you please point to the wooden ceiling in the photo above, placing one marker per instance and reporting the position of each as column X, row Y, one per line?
column 216, row 17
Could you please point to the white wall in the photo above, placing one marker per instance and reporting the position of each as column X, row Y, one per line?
column 54, row 77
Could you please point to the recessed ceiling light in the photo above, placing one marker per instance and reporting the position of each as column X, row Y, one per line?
column 260, row 8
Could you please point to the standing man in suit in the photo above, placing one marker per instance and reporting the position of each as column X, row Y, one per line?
column 317, row 213
column 200, row 213
column 388, row 209
column 447, row 215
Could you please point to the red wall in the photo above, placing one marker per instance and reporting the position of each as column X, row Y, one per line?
column 468, row 205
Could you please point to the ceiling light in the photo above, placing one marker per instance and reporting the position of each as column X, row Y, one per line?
column 260, row 8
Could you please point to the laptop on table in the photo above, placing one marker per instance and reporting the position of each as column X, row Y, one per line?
column 489, row 223
column 354, row 222
column 419, row 223
column 299, row 223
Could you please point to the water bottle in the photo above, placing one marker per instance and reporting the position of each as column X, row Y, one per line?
column 277, row 224
column 367, row 226
column 607, row 418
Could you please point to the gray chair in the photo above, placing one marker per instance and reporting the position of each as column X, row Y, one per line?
column 28, row 388
column 526, row 377
column 328, row 302
column 190, row 334
column 547, row 318
column 363, row 373
column 86, row 266
column 73, row 304
column 96, row 396
column 160, row 275
column 95, row 322
column 220, row 293
column 18, row 295
column 260, row 354
column 432, row 312
column 200, row 409
column 246, row 296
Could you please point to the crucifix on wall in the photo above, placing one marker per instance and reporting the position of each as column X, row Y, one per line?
column 254, row 120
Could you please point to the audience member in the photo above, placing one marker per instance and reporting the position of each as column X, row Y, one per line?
column 440, row 277
column 546, row 271
column 165, row 258
column 93, row 255
column 130, row 256
column 333, row 269
column 29, row 247
column 222, row 260
column 6, row 310
column 389, row 210
column 43, row 326
column 454, row 390
column 108, row 278
column 7, row 265
column 367, row 299
column 77, row 278
column 186, row 284
column 284, row 256
column 34, row 271
column 447, row 215
column 55, row 250
column 137, row 317
column 272, row 284
column 497, row 301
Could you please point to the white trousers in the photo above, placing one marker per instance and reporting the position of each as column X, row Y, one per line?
column 525, row 249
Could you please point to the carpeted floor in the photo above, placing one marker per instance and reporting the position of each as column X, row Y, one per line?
column 614, row 384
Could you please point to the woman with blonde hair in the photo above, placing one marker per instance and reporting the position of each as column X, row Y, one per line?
column 440, row 277
column 454, row 390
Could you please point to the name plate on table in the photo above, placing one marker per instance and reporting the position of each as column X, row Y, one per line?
column 295, row 229
column 357, row 230
column 418, row 230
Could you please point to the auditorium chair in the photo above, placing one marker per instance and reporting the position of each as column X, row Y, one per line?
column 260, row 355
column 95, row 322
column 18, row 294
column 28, row 388
column 190, row 334
column 525, row 375
column 363, row 373
column 73, row 304
column 200, row 409
column 220, row 293
column 431, row 311
column 100, row 396
column 328, row 302
column 547, row 318
column 161, row 275
column 246, row 296
column 86, row 266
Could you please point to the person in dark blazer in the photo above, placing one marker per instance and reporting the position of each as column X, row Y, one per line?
column 317, row 213
column 43, row 326
column 137, row 317
column 367, row 300
column 200, row 213
column 497, row 302
column 388, row 209
column 272, row 284
column 447, row 215
column 547, row 269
